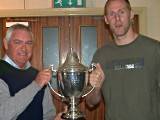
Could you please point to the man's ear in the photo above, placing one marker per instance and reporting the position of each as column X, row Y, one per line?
column 5, row 44
column 106, row 20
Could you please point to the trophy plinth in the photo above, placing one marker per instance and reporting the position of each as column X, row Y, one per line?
column 72, row 81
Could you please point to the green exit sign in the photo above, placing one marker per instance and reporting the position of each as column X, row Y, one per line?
column 69, row 3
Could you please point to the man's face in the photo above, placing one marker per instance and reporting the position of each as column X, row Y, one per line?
column 119, row 17
column 20, row 47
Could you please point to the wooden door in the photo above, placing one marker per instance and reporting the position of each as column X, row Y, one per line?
column 69, row 30
column 70, row 33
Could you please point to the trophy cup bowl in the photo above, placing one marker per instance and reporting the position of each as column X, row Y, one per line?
column 72, row 82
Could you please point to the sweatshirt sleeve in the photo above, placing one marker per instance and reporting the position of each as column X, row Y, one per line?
column 12, row 106
column 49, row 110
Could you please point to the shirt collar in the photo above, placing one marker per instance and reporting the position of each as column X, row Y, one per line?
column 8, row 60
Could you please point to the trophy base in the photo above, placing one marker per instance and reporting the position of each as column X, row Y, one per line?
column 67, row 117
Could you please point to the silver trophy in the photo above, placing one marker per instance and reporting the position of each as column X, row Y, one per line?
column 72, row 82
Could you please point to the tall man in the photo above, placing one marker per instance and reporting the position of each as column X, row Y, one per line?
column 129, row 69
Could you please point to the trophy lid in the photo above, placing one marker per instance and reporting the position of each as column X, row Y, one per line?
column 72, row 63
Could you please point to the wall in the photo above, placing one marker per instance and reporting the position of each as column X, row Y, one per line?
column 152, row 15
column 154, row 18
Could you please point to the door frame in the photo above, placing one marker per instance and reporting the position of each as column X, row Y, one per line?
column 140, row 11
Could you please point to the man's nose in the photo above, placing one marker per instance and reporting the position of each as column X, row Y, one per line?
column 24, row 46
column 117, row 16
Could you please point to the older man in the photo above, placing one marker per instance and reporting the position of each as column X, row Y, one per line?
column 23, row 91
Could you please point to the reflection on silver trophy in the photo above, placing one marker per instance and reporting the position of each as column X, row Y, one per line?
column 72, row 81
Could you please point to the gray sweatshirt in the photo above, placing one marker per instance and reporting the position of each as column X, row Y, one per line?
column 12, row 106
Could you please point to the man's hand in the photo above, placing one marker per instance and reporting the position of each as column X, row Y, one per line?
column 97, row 77
column 96, row 80
column 58, row 116
column 43, row 77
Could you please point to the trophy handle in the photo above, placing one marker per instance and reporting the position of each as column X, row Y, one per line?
column 91, row 68
column 49, row 84
column 88, row 92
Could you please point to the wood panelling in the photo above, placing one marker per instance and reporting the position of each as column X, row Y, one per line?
column 70, row 34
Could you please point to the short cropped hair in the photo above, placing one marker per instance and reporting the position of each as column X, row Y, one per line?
column 108, row 1
column 17, row 27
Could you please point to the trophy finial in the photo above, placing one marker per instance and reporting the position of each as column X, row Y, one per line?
column 72, row 62
column 72, row 57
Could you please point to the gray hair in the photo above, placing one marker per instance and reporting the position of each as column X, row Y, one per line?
column 17, row 27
